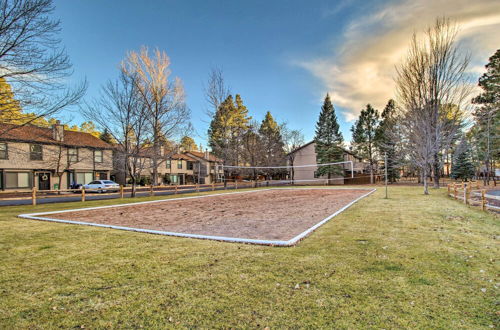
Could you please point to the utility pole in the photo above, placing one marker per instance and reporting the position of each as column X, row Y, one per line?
column 385, row 163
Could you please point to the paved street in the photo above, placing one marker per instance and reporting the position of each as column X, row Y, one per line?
column 96, row 196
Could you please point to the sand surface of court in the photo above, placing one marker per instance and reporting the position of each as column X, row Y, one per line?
column 277, row 214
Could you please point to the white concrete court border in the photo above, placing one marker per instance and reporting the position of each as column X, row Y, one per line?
column 290, row 242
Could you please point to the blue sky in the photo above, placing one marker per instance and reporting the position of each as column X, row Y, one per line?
column 281, row 56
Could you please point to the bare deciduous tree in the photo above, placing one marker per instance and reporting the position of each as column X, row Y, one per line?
column 162, row 97
column 293, row 139
column 216, row 90
column 252, row 147
column 432, row 78
column 121, row 112
column 32, row 60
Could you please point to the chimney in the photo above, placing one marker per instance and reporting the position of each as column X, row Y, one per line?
column 58, row 131
column 207, row 154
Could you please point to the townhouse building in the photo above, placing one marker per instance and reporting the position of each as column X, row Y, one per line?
column 306, row 155
column 208, row 168
column 50, row 158
column 175, row 168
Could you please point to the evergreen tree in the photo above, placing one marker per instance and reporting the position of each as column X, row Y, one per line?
column 252, row 150
column 9, row 106
column 272, row 145
column 188, row 144
column 227, row 128
column 487, row 116
column 106, row 136
column 89, row 127
column 328, row 141
column 462, row 167
column 11, row 112
column 363, row 135
column 385, row 140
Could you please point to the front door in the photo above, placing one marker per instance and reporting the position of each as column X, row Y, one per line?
column 43, row 181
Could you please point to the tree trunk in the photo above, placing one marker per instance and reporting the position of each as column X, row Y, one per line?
column 424, row 179
column 436, row 170
column 371, row 173
column 132, row 193
column 59, row 181
column 155, row 171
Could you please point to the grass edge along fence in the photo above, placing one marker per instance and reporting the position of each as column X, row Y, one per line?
column 467, row 192
column 35, row 194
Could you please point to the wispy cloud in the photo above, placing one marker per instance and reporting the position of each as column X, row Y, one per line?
column 361, row 69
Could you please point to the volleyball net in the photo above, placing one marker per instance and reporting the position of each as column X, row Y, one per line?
column 302, row 173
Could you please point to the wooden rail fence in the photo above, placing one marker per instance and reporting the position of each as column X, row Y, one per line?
column 474, row 194
column 35, row 194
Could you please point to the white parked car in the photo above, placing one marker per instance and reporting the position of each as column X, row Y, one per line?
column 102, row 186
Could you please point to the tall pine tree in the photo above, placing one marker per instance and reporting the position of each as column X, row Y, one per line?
column 385, row 140
column 363, row 136
column 227, row 129
column 188, row 144
column 273, row 152
column 462, row 167
column 328, row 141
column 106, row 136
column 487, row 116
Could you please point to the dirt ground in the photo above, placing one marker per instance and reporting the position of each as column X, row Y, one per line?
column 270, row 214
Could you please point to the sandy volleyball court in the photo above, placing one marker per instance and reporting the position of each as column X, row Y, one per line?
column 276, row 214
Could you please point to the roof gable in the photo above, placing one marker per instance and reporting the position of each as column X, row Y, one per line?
column 311, row 142
column 36, row 134
column 202, row 155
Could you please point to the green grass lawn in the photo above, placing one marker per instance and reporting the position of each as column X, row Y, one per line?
column 409, row 261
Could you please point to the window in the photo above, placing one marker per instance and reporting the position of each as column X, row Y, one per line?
column 84, row 177
column 174, row 179
column 36, row 152
column 72, row 155
column 98, row 156
column 168, row 163
column 3, row 151
column 17, row 180
column 179, row 164
column 190, row 165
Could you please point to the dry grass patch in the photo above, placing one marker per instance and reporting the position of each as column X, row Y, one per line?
column 409, row 261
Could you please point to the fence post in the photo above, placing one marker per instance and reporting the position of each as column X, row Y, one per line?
column 213, row 186
column 33, row 196
column 466, row 193
column 175, row 190
column 121, row 191
column 83, row 194
column 151, row 192
column 197, row 188
column 455, row 190
column 483, row 200
column 235, row 184
column 449, row 190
